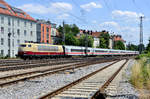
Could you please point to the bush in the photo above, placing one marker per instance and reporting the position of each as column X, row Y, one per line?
column 142, row 55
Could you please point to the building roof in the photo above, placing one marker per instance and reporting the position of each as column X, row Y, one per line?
column 118, row 38
column 97, row 34
column 7, row 9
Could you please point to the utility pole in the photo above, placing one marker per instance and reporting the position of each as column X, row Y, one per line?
column 9, row 44
column 141, row 35
column 63, row 32
column 86, row 43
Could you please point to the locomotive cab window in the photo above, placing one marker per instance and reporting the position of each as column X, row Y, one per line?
column 29, row 45
column 22, row 45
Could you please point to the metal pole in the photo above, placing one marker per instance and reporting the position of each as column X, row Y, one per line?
column 9, row 44
column 64, row 32
column 141, row 35
column 86, row 44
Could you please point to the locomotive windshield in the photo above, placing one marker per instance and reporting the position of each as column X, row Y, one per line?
column 22, row 45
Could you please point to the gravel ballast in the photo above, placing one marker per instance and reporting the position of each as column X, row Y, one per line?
column 124, row 90
column 31, row 89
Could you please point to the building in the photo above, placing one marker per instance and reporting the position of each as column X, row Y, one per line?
column 16, row 27
column 115, row 38
column 54, row 34
column 43, row 31
column 47, row 32
column 96, row 35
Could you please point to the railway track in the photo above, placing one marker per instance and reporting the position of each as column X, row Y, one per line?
column 42, row 63
column 22, row 62
column 7, row 80
column 90, row 86
column 33, row 65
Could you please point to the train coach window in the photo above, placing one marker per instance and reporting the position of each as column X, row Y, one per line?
column 29, row 45
column 77, row 50
column 47, row 48
column 23, row 45
column 100, row 51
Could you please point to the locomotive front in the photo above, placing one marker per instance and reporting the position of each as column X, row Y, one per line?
column 24, row 50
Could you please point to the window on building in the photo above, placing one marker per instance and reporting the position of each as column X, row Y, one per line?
column 13, row 32
column 11, row 11
column 13, row 52
column 9, row 23
column 18, row 41
column 18, row 22
column 2, row 41
column 47, row 30
column 2, row 30
column 31, row 33
column 12, row 22
column 9, row 30
column 25, row 32
column 2, row 52
column 2, row 20
column 31, row 24
column 47, row 36
column 13, row 43
column 9, row 42
column 43, row 28
column 25, row 23
column 18, row 32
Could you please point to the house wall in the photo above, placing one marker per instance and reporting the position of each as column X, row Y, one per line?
column 21, row 30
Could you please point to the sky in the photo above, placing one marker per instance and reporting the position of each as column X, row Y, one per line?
column 116, row 16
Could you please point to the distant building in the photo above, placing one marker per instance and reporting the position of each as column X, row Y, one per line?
column 43, row 31
column 116, row 38
column 96, row 35
column 47, row 32
column 16, row 27
column 54, row 34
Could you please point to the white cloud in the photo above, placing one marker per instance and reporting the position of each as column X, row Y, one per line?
column 90, row 6
column 126, row 15
column 57, row 7
column 61, row 6
column 109, row 24
column 63, row 16
column 94, row 21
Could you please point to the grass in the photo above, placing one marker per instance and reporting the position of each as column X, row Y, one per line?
column 140, row 76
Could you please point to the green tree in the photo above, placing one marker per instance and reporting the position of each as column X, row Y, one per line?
column 70, row 39
column 83, row 39
column 132, row 47
column 148, row 47
column 102, row 43
column 74, row 29
column 119, row 45
column 60, row 30
column 68, row 29
column 104, row 40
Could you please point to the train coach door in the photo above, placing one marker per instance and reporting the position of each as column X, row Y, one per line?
column 64, row 51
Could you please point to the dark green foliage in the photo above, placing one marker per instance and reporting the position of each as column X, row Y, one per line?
column 60, row 30
column 69, row 29
column 104, row 40
column 70, row 32
column 83, row 39
column 103, row 43
column 74, row 29
column 71, row 39
column 132, row 47
column 148, row 47
column 119, row 45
